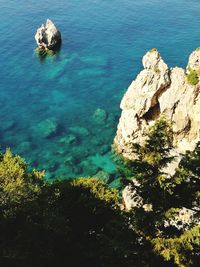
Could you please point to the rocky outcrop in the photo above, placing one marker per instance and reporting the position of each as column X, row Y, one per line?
column 47, row 36
column 157, row 91
column 182, row 219
column 194, row 60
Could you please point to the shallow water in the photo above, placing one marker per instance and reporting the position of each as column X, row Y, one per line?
column 61, row 113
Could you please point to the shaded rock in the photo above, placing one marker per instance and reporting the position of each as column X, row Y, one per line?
column 100, row 116
column 158, row 91
column 48, row 36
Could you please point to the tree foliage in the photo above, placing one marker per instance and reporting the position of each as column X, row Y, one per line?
column 167, row 195
column 72, row 222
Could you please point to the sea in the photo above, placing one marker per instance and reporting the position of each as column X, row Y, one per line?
column 60, row 112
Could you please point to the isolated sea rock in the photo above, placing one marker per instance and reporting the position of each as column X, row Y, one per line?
column 160, row 91
column 48, row 37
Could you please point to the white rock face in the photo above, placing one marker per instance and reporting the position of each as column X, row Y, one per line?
column 183, row 219
column 194, row 60
column 47, row 36
column 157, row 91
column 131, row 197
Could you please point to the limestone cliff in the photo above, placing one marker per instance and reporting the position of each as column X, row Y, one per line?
column 159, row 90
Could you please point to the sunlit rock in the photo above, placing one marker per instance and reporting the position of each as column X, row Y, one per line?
column 48, row 37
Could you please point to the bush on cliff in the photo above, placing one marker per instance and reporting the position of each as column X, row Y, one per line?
column 192, row 77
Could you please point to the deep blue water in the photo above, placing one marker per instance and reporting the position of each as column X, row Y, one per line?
column 50, row 108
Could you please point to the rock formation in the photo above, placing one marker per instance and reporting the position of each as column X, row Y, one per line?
column 47, row 36
column 159, row 90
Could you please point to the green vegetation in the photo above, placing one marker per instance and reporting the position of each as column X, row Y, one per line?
column 153, row 50
column 166, row 195
column 183, row 249
column 157, row 70
column 192, row 77
column 82, row 222
column 73, row 222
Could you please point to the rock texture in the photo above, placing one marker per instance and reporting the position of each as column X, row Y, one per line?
column 158, row 91
column 132, row 198
column 48, row 36
column 183, row 219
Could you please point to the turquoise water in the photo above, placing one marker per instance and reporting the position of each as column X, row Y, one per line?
column 61, row 113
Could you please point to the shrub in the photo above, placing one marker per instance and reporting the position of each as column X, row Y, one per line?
column 192, row 77
column 153, row 50
column 157, row 70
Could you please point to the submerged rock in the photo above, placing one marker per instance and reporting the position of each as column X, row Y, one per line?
column 48, row 36
column 68, row 139
column 45, row 128
column 100, row 116
column 102, row 175
column 79, row 131
column 160, row 91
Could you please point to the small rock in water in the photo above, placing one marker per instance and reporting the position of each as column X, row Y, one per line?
column 48, row 36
